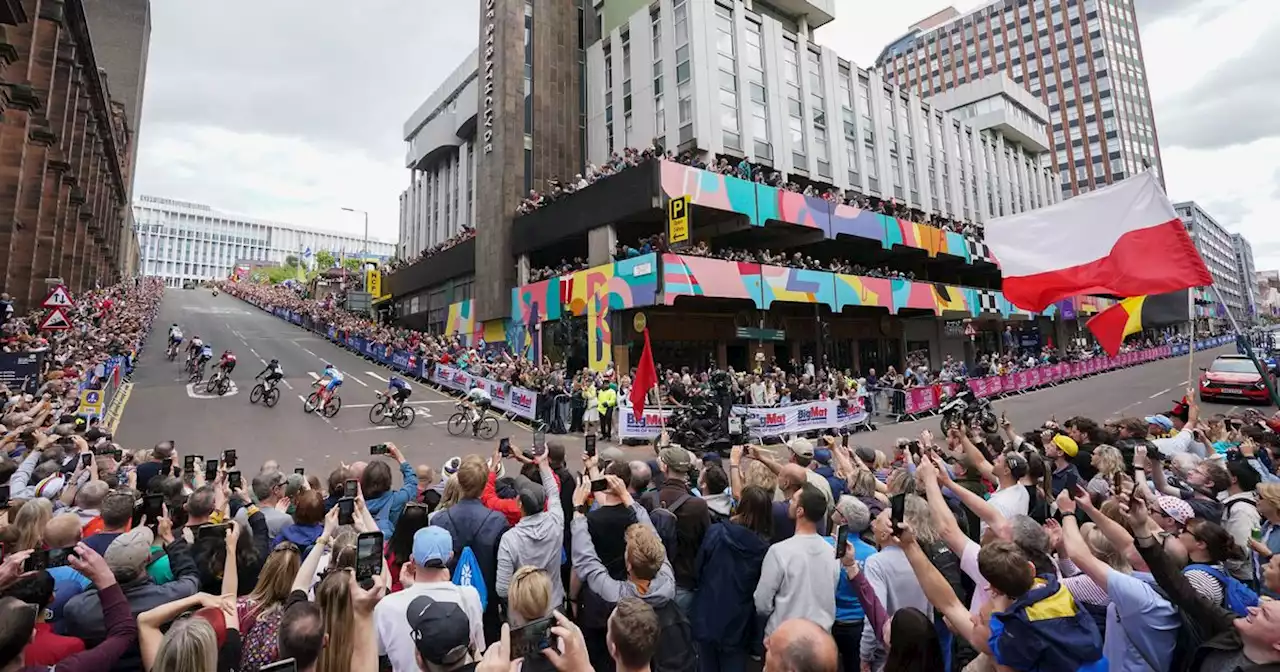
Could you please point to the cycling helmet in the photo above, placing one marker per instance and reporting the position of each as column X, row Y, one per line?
column 227, row 352
column 274, row 362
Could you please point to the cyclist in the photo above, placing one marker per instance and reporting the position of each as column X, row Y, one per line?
column 228, row 363
column 175, row 337
column 477, row 399
column 206, row 354
column 273, row 373
column 330, row 379
column 193, row 348
column 399, row 392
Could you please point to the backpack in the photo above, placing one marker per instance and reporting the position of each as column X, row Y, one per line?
column 664, row 521
column 466, row 571
column 675, row 651
column 1236, row 595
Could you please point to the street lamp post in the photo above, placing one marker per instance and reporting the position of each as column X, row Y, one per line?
column 366, row 233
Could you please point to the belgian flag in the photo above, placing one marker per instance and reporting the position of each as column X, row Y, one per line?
column 1132, row 315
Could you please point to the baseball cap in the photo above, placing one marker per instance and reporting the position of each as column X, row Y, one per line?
column 129, row 551
column 1175, row 508
column 432, row 546
column 610, row 455
column 801, row 447
column 1017, row 464
column 1160, row 421
column 822, row 455
column 441, row 630
column 532, row 496
column 676, row 458
column 1066, row 444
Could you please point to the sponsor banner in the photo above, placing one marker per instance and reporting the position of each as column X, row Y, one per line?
column 647, row 425
column 523, row 402
column 497, row 392
column 921, row 399
column 766, row 421
column 405, row 361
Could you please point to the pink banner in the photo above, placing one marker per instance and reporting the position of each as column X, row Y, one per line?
column 921, row 399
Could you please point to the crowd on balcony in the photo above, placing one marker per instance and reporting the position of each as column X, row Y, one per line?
column 467, row 233
column 618, row 162
column 565, row 267
column 795, row 260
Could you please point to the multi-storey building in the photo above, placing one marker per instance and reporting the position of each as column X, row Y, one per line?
column 64, row 155
column 747, row 80
column 1215, row 246
column 1243, row 252
column 122, row 29
column 183, row 241
column 1082, row 58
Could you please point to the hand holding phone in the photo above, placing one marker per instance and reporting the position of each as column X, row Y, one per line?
column 504, row 446
column 378, row 449
column 346, row 511
column 842, row 541
column 897, row 512
column 533, row 637
column 350, row 488
column 229, row 458
column 234, row 480
column 590, row 449
column 368, row 557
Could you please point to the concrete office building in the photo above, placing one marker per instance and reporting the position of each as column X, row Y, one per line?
column 1244, row 268
column 64, row 155
column 507, row 119
column 746, row 79
column 1082, row 58
column 183, row 241
column 1215, row 246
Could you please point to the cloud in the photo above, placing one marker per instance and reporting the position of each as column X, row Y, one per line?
column 1227, row 213
column 1150, row 11
column 1236, row 103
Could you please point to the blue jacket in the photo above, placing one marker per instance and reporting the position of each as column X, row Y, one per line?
column 387, row 507
column 848, row 608
column 303, row 535
column 728, row 566
column 1046, row 631
column 838, row 485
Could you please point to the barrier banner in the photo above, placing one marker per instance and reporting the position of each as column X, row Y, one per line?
column 497, row 392
column 523, row 402
column 405, row 361
column 921, row 399
column 645, row 426
column 1033, row 378
column 805, row 417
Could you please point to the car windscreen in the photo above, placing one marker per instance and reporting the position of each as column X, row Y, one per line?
column 1233, row 366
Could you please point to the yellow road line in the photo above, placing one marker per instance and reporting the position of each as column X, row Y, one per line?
column 116, row 410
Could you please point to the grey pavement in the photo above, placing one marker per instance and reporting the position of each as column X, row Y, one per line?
column 162, row 407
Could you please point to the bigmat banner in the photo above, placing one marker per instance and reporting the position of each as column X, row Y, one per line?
column 507, row 398
column 764, row 420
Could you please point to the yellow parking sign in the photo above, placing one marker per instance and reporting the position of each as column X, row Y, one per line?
column 91, row 402
column 373, row 282
column 678, row 220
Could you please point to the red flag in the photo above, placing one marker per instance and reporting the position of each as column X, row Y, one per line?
column 645, row 378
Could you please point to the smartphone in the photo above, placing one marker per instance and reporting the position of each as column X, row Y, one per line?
column 532, row 637
column 152, row 508
column 346, row 511
column 229, row 457
column 286, row 665
column 350, row 488
column 210, row 470
column 301, row 471
column 842, row 541
column 4, row 495
column 189, row 464
column 58, row 556
column 234, row 481
column 378, row 449
column 86, row 459
column 897, row 510
column 539, row 441
column 591, row 445
column 844, row 440
column 38, row 561
column 211, row 531
column 368, row 556
column 166, row 467
column 504, row 446
column 599, row 485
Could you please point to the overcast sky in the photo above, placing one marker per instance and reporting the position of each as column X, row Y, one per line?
column 298, row 112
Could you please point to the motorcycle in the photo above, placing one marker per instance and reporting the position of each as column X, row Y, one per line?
column 969, row 409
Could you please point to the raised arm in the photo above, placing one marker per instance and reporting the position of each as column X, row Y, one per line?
column 979, row 506
column 302, row 581
column 1075, row 546
column 939, row 592
column 149, row 623
column 979, row 460
column 735, row 472
column 759, row 455
column 945, row 521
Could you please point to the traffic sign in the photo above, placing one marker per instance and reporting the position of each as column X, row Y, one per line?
column 57, row 320
column 91, row 402
column 678, row 220
column 58, row 298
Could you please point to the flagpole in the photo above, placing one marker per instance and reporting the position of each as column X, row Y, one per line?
column 1248, row 347
column 1191, row 333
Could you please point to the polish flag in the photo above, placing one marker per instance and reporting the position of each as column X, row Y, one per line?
column 1122, row 240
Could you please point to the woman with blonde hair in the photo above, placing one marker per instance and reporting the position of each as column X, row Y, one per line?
column 190, row 645
column 1109, row 463
column 1267, row 543
column 26, row 531
column 260, row 611
column 452, row 495
column 528, row 596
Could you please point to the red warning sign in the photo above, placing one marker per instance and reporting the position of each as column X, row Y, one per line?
column 58, row 298
column 56, row 321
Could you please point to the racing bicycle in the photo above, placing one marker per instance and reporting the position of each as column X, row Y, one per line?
column 220, row 383
column 486, row 427
column 173, row 351
column 402, row 416
column 316, row 401
column 266, row 392
column 197, row 372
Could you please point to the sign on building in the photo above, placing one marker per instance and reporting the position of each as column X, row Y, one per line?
column 678, row 220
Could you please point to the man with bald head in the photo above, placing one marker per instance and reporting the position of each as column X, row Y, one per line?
column 63, row 531
column 641, row 478
column 88, row 505
column 799, row 645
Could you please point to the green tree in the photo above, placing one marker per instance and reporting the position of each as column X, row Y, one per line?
column 324, row 260
column 351, row 264
column 278, row 274
column 291, row 261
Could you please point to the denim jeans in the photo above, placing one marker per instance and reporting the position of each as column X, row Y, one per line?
column 848, row 636
column 712, row 658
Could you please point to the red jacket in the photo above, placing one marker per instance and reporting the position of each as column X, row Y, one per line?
column 48, row 648
column 507, row 507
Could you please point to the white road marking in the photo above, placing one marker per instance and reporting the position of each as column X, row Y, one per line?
column 314, row 375
column 201, row 394
column 368, row 429
column 352, row 377
column 377, row 376
column 310, row 353
column 255, row 353
column 371, row 405
column 1184, row 382
column 287, row 384
column 1160, row 393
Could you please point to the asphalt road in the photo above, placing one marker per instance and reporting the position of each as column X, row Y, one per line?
column 162, row 405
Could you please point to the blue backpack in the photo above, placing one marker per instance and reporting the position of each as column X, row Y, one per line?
column 467, row 573
column 1237, row 596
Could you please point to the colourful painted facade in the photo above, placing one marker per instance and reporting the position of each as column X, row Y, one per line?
column 761, row 203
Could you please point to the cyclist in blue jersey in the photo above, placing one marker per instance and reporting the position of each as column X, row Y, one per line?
column 330, row 379
column 398, row 390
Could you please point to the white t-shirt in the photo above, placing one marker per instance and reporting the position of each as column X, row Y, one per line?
column 395, row 639
column 1010, row 502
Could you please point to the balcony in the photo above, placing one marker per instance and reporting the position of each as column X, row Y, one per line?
column 628, row 195
column 435, row 269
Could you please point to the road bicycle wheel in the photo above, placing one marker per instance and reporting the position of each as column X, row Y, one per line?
column 312, row 402
column 257, row 393
column 378, row 413
column 224, row 386
column 197, row 376
column 271, row 398
column 211, row 385
column 405, row 417
column 457, row 424
column 335, row 403
column 488, row 428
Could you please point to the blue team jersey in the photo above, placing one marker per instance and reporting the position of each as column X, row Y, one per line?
column 206, row 351
column 397, row 384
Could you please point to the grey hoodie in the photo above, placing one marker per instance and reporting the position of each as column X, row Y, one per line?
column 536, row 540
column 593, row 573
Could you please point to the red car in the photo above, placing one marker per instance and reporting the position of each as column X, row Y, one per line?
column 1233, row 377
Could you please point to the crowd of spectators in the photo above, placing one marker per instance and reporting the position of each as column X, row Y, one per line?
column 618, row 162
column 467, row 233
column 795, row 260
column 563, row 268
column 1141, row 543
